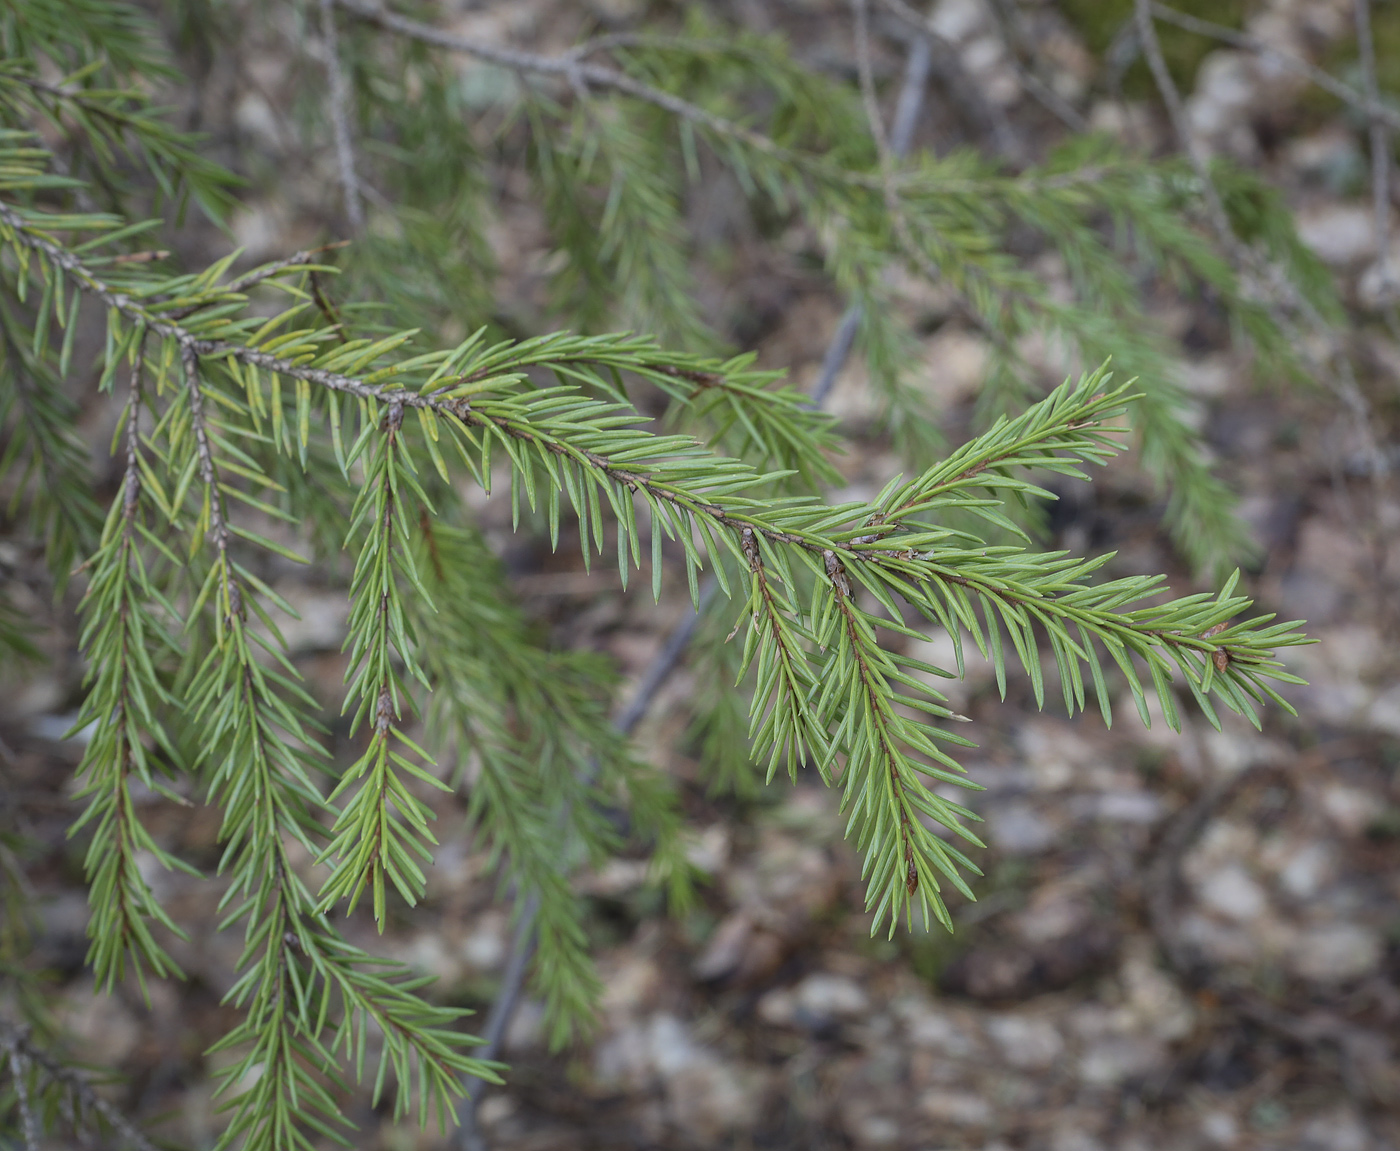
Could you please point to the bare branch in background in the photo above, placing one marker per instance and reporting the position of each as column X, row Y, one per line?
column 1380, row 155
column 1364, row 102
column 989, row 117
column 16, row 1042
column 340, row 121
column 1176, row 112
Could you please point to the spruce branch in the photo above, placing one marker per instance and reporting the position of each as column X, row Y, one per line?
column 124, row 635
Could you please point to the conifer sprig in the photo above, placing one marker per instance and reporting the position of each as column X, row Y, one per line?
column 560, row 442
column 250, row 438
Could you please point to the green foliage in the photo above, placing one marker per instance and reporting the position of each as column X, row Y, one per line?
column 263, row 425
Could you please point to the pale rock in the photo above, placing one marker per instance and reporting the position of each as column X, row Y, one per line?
column 709, row 851
column 937, row 1030
column 1379, row 285
column 1237, row 746
column 706, row 1096
column 1220, row 1128
column 1209, row 377
column 985, row 60
column 621, row 1060
column 526, row 1030
column 778, row 1008
column 255, row 117
column 709, row 1099
column 1340, row 234
column 37, row 695
column 57, row 729
column 485, row 948
column 1053, row 914
column 1139, row 807
column 631, row 986
column 616, row 11
column 1335, row 953
column 1055, row 753
column 100, row 1026
column 1342, row 1130
column 615, row 878
column 1338, row 665
column 1156, row 1002
column 875, row 1131
column 1231, row 892
column 1026, row 1041
column 1070, row 1136
column 1384, row 711
column 831, row 997
column 952, row 366
column 1331, row 154
column 1019, row 829
column 496, row 1109
column 724, row 952
column 1231, row 943
column 672, row 1047
column 958, row 20
column 852, row 400
column 1227, row 88
column 428, row 952
column 258, row 230
column 1308, row 869
column 1224, row 842
column 960, row 1108
column 1351, row 809
column 322, row 618
column 1125, row 120
column 1112, row 1061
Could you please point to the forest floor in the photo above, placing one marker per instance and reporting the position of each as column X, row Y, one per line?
column 1180, row 942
